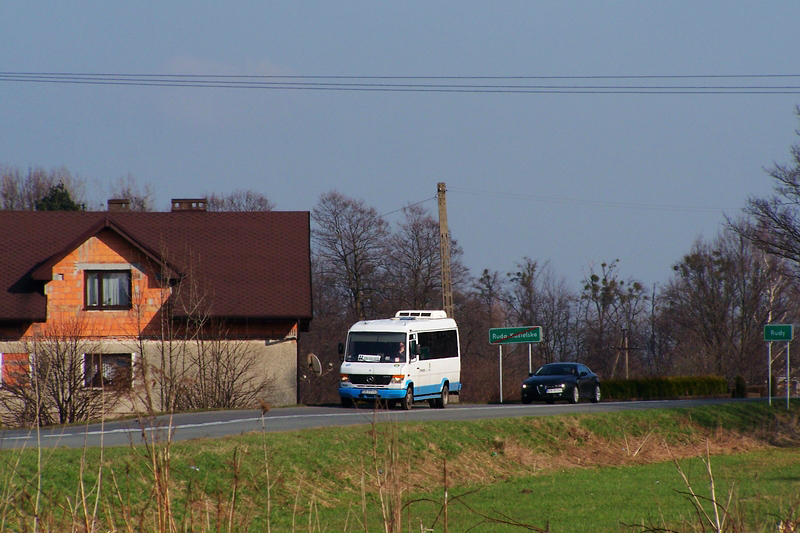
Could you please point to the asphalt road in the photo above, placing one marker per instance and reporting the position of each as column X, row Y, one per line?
column 216, row 424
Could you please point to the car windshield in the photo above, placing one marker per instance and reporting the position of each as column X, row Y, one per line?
column 379, row 347
column 556, row 370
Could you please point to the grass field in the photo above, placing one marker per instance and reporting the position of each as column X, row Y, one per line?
column 630, row 471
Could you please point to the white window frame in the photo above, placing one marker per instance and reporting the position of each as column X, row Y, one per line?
column 84, row 356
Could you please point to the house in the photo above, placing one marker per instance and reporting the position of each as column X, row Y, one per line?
column 161, row 310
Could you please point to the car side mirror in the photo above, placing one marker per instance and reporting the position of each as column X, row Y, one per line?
column 341, row 352
column 582, row 374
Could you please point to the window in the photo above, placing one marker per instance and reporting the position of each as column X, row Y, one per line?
column 108, row 370
column 108, row 289
column 16, row 369
column 378, row 347
column 438, row 344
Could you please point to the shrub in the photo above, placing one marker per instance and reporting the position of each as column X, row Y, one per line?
column 739, row 387
column 658, row 388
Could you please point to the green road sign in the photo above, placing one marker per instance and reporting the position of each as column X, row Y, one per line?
column 514, row 335
column 778, row 332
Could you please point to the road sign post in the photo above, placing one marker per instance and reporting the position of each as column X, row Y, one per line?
column 778, row 333
column 517, row 335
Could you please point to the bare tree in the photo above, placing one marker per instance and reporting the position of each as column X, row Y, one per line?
column 775, row 221
column 537, row 298
column 239, row 200
column 11, row 183
column 349, row 241
column 222, row 371
column 62, row 388
column 610, row 311
column 413, row 270
column 141, row 197
column 718, row 301
column 22, row 191
column 478, row 310
column 659, row 357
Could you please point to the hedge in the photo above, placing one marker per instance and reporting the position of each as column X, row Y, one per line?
column 661, row 388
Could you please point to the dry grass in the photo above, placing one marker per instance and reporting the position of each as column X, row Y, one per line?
column 304, row 473
column 511, row 457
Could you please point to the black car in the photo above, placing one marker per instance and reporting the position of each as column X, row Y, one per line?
column 561, row 381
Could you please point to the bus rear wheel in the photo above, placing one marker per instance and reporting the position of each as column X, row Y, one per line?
column 442, row 401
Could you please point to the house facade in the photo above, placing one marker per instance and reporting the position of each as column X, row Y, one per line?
column 130, row 312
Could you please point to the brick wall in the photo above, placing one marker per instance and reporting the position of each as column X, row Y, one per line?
column 65, row 293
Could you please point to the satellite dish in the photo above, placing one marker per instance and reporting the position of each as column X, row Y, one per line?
column 314, row 365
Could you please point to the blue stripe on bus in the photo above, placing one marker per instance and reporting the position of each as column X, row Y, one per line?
column 430, row 391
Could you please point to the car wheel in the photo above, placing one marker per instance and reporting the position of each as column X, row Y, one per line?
column 596, row 394
column 347, row 402
column 576, row 395
column 441, row 402
column 408, row 399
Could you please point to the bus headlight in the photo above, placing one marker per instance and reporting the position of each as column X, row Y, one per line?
column 344, row 378
column 399, row 378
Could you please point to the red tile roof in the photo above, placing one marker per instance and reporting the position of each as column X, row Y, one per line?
column 255, row 265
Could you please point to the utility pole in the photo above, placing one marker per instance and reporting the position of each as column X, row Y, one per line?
column 625, row 337
column 444, row 251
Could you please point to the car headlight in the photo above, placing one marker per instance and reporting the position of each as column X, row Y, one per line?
column 524, row 385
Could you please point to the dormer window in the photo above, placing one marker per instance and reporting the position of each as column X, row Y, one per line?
column 107, row 289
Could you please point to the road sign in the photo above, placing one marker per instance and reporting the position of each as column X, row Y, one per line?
column 778, row 332
column 515, row 335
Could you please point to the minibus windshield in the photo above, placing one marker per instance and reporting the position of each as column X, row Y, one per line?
column 376, row 347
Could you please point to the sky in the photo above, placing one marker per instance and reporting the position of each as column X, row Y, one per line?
column 565, row 171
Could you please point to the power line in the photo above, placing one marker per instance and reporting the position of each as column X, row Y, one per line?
column 409, row 205
column 455, row 84
column 264, row 76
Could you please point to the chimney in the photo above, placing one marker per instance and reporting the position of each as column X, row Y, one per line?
column 188, row 204
column 119, row 204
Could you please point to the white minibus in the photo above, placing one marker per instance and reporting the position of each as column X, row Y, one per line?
column 411, row 357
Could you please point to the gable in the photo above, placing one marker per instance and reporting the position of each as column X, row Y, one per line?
column 123, row 243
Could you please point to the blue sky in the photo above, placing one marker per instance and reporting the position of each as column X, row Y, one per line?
column 569, row 178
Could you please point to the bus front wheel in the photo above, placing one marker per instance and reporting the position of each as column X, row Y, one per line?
column 408, row 399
